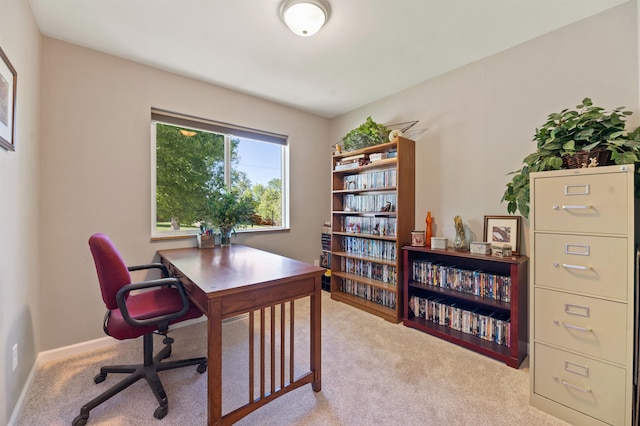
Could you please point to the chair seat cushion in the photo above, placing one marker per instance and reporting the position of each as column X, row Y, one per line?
column 145, row 305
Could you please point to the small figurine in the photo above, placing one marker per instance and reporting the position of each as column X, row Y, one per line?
column 387, row 207
column 460, row 241
column 593, row 162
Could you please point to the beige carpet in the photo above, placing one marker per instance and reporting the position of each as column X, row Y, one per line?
column 373, row 372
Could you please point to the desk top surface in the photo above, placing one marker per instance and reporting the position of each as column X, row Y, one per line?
column 219, row 269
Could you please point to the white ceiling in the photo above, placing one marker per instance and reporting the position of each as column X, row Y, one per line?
column 369, row 49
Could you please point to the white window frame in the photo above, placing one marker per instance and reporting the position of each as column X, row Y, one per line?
column 228, row 130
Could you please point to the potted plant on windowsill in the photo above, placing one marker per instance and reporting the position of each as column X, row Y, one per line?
column 227, row 209
column 588, row 136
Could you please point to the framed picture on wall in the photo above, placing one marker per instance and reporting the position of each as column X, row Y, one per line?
column 8, row 85
column 503, row 229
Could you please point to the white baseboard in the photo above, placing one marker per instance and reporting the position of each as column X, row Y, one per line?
column 19, row 408
column 65, row 352
column 53, row 355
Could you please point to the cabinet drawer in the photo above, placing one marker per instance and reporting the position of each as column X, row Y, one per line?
column 585, row 264
column 592, row 326
column 583, row 384
column 582, row 203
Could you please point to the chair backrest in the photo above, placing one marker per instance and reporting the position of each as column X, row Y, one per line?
column 111, row 269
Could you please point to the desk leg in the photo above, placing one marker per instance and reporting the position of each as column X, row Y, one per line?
column 214, row 353
column 316, row 338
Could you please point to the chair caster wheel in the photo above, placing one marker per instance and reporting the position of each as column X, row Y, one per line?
column 202, row 368
column 81, row 420
column 100, row 378
column 161, row 412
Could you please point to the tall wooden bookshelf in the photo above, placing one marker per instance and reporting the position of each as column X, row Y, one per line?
column 373, row 214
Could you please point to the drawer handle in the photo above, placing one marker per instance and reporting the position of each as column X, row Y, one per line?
column 577, row 328
column 578, row 267
column 584, row 207
column 572, row 386
column 575, row 207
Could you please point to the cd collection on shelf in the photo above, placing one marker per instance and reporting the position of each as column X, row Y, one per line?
column 367, row 292
column 376, row 271
column 371, row 248
column 488, row 326
column 369, row 202
column 374, row 180
column 477, row 282
column 372, row 212
column 384, row 226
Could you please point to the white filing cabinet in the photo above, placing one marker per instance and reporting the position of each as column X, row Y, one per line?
column 582, row 294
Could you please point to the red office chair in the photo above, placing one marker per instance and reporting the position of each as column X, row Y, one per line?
column 141, row 314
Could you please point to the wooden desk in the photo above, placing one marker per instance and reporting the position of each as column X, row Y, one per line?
column 226, row 282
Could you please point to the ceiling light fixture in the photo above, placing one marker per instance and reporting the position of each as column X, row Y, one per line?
column 305, row 17
column 187, row 133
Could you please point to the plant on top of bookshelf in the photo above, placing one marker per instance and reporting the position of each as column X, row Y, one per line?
column 367, row 134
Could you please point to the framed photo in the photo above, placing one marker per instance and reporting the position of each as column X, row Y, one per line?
column 8, row 84
column 503, row 229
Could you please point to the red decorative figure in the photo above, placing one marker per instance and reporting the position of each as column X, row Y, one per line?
column 428, row 233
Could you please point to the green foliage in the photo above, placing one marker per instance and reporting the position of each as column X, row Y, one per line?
column 566, row 133
column 190, row 178
column 269, row 201
column 584, row 129
column 186, row 169
column 367, row 134
column 228, row 208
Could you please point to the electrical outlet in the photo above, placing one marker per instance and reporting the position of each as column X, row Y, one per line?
column 15, row 357
column 316, row 262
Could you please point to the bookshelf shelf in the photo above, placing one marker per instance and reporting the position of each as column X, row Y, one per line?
column 495, row 305
column 371, row 236
column 355, row 191
column 363, row 304
column 448, row 291
column 372, row 218
column 364, row 280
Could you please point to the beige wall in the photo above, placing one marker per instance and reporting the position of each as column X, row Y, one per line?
column 19, row 241
column 95, row 173
column 481, row 118
column 85, row 167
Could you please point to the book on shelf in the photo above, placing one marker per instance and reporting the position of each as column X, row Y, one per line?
column 351, row 159
column 350, row 165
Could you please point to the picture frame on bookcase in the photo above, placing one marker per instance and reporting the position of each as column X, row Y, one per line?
column 503, row 229
column 8, row 85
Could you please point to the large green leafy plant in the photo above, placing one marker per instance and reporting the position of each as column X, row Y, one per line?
column 566, row 133
column 228, row 208
column 367, row 134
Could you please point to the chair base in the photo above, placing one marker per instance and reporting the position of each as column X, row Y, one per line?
column 148, row 370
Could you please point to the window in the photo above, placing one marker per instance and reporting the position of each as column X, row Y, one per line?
column 193, row 157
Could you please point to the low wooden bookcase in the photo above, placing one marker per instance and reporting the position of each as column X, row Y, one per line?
column 473, row 300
